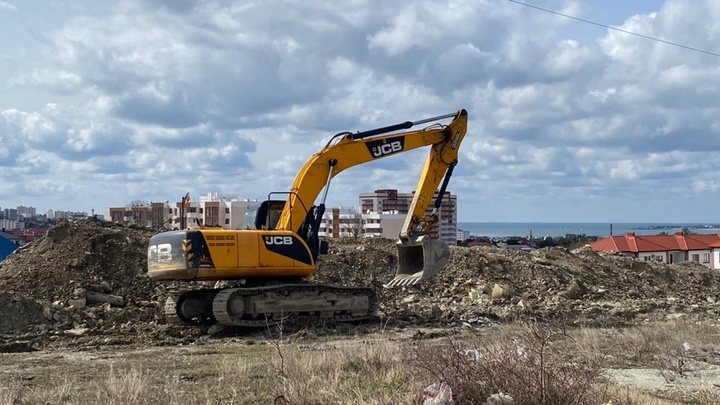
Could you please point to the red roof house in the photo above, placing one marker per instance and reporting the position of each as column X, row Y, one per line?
column 704, row 249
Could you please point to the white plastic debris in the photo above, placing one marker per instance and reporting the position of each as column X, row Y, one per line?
column 439, row 393
column 500, row 399
column 473, row 354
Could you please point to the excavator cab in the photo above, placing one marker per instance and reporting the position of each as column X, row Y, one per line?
column 263, row 215
column 266, row 214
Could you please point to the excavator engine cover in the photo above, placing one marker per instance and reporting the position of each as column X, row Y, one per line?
column 419, row 257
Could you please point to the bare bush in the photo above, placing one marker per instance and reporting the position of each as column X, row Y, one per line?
column 523, row 367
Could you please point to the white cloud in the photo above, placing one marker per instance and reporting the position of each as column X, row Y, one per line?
column 7, row 6
column 702, row 186
column 146, row 100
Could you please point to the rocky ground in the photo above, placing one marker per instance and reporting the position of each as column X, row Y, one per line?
column 85, row 284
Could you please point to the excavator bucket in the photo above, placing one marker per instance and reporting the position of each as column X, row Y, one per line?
column 419, row 257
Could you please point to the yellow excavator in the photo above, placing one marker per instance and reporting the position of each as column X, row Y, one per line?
column 268, row 260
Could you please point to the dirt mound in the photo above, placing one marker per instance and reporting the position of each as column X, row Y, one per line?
column 54, row 276
column 100, row 255
column 45, row 287
column 482, row 284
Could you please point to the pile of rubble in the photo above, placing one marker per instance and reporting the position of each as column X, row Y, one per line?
column 88, row 278
column 486, row 284
column 83, row 277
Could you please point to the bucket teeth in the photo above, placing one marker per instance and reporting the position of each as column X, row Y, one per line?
column 401, row 282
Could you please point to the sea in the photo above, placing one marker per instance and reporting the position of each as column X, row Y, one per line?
column 600, row 229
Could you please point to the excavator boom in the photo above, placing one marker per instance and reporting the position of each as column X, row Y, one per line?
column 355, row 149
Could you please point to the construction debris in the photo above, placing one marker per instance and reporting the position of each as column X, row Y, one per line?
column 86, row 280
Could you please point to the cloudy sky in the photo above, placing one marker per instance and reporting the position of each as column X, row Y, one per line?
column 102, row 103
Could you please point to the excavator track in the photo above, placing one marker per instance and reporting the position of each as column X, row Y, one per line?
column 269, row 305
column 190, row 307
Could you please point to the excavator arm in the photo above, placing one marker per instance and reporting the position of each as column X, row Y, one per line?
column 419, row 256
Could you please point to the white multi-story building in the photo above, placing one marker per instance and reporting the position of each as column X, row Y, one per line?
column 26, row 212
column 387, row 224
column 462, row 235
column 211, row 210
column 389, row 200
column 341, row 221
column 352, row 222
column 76, row 215
column 9, row 224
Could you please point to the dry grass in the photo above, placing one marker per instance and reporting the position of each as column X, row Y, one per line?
column 536, row 366
column 342, row 373
column 648, row 345
column 372, row 373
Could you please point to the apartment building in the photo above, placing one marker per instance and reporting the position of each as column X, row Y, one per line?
column 211, row 210
column 352, row 222
column 391, row 201
column 26, row 212
column 10, row 224
column 11, row 214
column 71, row 215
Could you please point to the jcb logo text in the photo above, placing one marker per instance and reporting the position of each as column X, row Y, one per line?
column 387, row 148
column 278, row 240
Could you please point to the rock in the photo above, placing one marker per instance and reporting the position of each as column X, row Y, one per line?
column 76, row 332
column 500, row 291
column 78, row 303
column 47, row 313
column 575, row 291
column 487, row 288
column 215, row 329
column 476, row 294
column 115, row 300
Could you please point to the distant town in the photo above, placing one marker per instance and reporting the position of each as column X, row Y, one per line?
column 378, row 214
column 24, row 224
column 381, row 213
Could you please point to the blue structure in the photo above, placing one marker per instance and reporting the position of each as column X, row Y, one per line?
column 6, row 247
